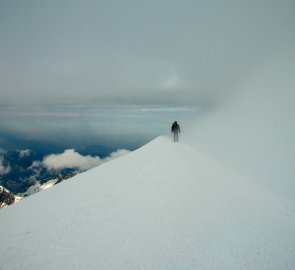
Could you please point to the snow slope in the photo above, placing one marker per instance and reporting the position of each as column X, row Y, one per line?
column 163, row 206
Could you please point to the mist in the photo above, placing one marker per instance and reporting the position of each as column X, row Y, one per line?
column 253, row 131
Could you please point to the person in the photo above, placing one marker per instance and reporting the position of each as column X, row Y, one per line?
column 175, row 129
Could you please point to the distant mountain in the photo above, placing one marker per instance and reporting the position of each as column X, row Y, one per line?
column 21, row 160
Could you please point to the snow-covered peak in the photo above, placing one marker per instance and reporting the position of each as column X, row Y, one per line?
column 163, row 206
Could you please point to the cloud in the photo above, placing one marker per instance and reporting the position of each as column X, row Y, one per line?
column 254, row 131
column 35, row 165
column 169, row 109
column 204, row 49
column 4, row 169
column 24, row 153
column 72, row 159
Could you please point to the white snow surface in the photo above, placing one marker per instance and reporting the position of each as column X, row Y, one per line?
column 163, row 206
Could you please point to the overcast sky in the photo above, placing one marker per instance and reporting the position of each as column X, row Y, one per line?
column 171, row 52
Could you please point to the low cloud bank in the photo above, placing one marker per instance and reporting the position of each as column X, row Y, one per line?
column 72, row 159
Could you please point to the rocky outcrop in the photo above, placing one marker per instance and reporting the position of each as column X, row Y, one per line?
column 7, row 197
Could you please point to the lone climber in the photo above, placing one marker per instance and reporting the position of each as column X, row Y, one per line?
column 175, row 129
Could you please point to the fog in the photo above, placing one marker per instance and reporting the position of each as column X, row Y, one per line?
column 253, row 132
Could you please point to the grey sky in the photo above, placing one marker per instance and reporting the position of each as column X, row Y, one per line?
column 173, row 52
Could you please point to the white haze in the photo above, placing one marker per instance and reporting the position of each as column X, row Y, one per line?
column 253, row 132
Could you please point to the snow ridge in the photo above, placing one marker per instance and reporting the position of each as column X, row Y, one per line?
column 163, row 206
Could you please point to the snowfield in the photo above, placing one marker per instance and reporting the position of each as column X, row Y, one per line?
column 163, row 206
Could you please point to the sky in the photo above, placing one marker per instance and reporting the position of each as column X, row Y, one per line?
column 193, row 55
column 136, row 51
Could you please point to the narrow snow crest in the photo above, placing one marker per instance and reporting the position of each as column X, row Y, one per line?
column 163, row 206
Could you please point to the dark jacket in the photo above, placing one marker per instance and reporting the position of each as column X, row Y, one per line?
column 175, row 127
